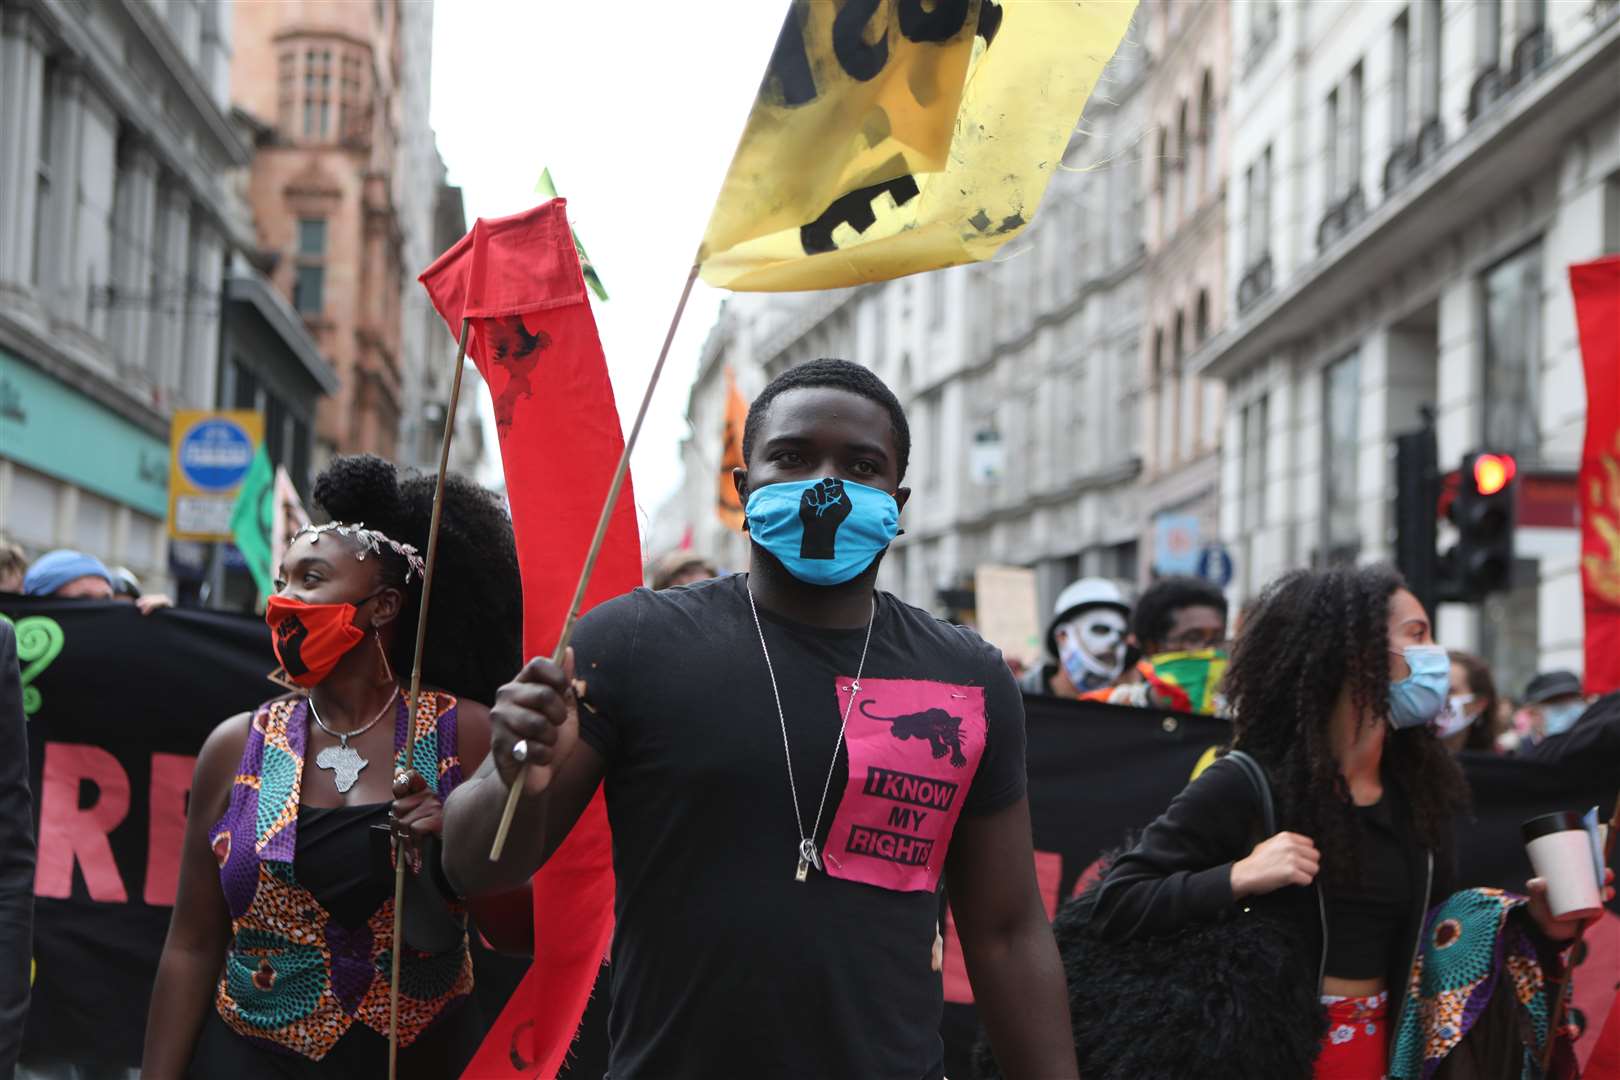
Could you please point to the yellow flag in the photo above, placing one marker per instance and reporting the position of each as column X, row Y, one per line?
column 895, row 136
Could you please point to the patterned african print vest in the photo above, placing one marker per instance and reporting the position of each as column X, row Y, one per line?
column 292, row 975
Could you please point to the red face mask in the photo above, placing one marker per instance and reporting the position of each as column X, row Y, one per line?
column 310, row 639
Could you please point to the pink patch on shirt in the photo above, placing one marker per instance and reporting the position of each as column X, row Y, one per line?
column 913, row 749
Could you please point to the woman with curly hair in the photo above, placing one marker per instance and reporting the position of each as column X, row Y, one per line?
column 1333, row 684
column 277, row 961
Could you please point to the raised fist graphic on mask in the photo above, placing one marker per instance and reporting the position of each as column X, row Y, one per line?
column 290, row 636
column 822, row 509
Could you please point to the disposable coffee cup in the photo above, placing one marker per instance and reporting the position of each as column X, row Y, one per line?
column 1560, row 851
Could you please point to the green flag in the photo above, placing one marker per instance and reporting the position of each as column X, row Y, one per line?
column 251, row 521
column 549, row 189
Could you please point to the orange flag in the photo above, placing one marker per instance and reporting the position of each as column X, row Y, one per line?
column 726, row 503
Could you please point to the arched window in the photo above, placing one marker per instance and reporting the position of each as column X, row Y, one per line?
column 1201, row 319
column 1164, row 184
column 1183, row 152
column 1206, row 134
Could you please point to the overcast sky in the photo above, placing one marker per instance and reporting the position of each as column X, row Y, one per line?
column 636, row 106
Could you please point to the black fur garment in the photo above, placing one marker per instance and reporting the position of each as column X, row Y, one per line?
column 1230, row 1000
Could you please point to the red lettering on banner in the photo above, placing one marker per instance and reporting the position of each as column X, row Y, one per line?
column 166, row 825
column 70, row 834
column 1048, row 879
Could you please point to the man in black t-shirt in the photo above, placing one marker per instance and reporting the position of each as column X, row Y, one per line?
column 793, row 764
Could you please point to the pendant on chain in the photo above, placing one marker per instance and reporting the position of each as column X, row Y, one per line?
column 807, row 859
column 345, row 763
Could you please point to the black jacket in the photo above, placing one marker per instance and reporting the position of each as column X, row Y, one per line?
column 1180, row 872
column 16, row 855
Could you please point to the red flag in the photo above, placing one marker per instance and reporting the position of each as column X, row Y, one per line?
column 1596, row 288
column 534, row 339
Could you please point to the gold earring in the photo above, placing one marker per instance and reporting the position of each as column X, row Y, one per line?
column 388, row 671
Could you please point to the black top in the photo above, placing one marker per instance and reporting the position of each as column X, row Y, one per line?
column 1367, row 919
column 723, row 964
column 1180, row 872
column 16, row 855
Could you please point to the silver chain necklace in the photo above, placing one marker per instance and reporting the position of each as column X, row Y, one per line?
column 808, row 855
column 345, row 761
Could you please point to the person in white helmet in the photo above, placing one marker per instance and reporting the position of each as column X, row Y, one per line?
column 1086, row 639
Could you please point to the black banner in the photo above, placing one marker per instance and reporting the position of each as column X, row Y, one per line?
column 119, row 705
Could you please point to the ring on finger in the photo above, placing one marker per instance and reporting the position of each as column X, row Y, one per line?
column 520, row 751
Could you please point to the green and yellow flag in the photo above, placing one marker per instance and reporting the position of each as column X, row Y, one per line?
column 549, row 190
column 894, row 136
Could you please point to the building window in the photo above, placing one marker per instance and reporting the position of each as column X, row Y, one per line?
column 1354, row 130
column 1431, row 39
column 1488, row 33
column 1258, row 231
column 1400, row 64
column 309, row 283
column 1253, row 508
column 350, row 111
column 317, row 93
column 1341, row 393
column 1163, row 192
column 1186, row 196
column 1512, row 311
column 1330, row 149
column 287, row 88
column 1201, row 318
column 42, row 176
column 1206, row 136
column 1262, row 31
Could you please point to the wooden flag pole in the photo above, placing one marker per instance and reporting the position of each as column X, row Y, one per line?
column 516, row 790
column 1557, row 1017
column 430, row 558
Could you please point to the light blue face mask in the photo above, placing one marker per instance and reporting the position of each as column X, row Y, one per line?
column 824, row 531
column 1417, row 699
column 1559, row 718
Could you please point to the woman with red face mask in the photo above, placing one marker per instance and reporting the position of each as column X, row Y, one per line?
column 278, row 956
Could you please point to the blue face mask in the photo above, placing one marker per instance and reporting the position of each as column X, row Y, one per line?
column 1417, row 699
column 1559, row 718
column 824, row 531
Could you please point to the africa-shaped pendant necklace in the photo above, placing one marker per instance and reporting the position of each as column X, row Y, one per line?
column 808, row 855
column 344, row 760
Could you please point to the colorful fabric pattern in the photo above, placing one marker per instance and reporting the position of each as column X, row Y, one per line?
column 1470, row 942
column 292, row 976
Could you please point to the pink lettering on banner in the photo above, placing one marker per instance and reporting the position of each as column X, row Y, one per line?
column 73, row 835
column 913, row 749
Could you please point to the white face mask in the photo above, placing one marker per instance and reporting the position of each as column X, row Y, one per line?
column 1094, row 641
column 1454, row 717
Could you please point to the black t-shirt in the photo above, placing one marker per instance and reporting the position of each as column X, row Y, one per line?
column 723, row 963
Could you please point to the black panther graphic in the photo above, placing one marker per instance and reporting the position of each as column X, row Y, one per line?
column 290, row 635
column 942, row 730
column 520, row 351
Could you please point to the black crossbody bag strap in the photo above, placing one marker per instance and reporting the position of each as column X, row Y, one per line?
column 1257, row 776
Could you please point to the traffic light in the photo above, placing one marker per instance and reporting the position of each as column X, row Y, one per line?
column 1481, row 562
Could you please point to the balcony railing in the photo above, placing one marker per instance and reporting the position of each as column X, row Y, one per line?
column 1531, row 55
column 1340, row 218
column 1410, row 157
column 1256, row 283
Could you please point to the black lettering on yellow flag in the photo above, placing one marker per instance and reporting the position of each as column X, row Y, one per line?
column 891, row 137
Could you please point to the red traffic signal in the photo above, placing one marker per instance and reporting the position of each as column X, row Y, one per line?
column 1493, row 472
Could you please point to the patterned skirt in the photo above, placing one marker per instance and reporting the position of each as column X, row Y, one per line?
column 1356, row 1046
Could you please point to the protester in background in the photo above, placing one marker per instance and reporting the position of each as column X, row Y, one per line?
column 1333, row 686
column 127, row 588
column 13, row 567
column 1552, row 702
column 727, row 960
column 69, row 575
column 1468, row 720
column 16, row 855
column 278, row 887
column 1179, row 627
column 1086, row 637
column 680, row 567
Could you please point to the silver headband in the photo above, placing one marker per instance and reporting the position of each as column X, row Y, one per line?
column 372, row 539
